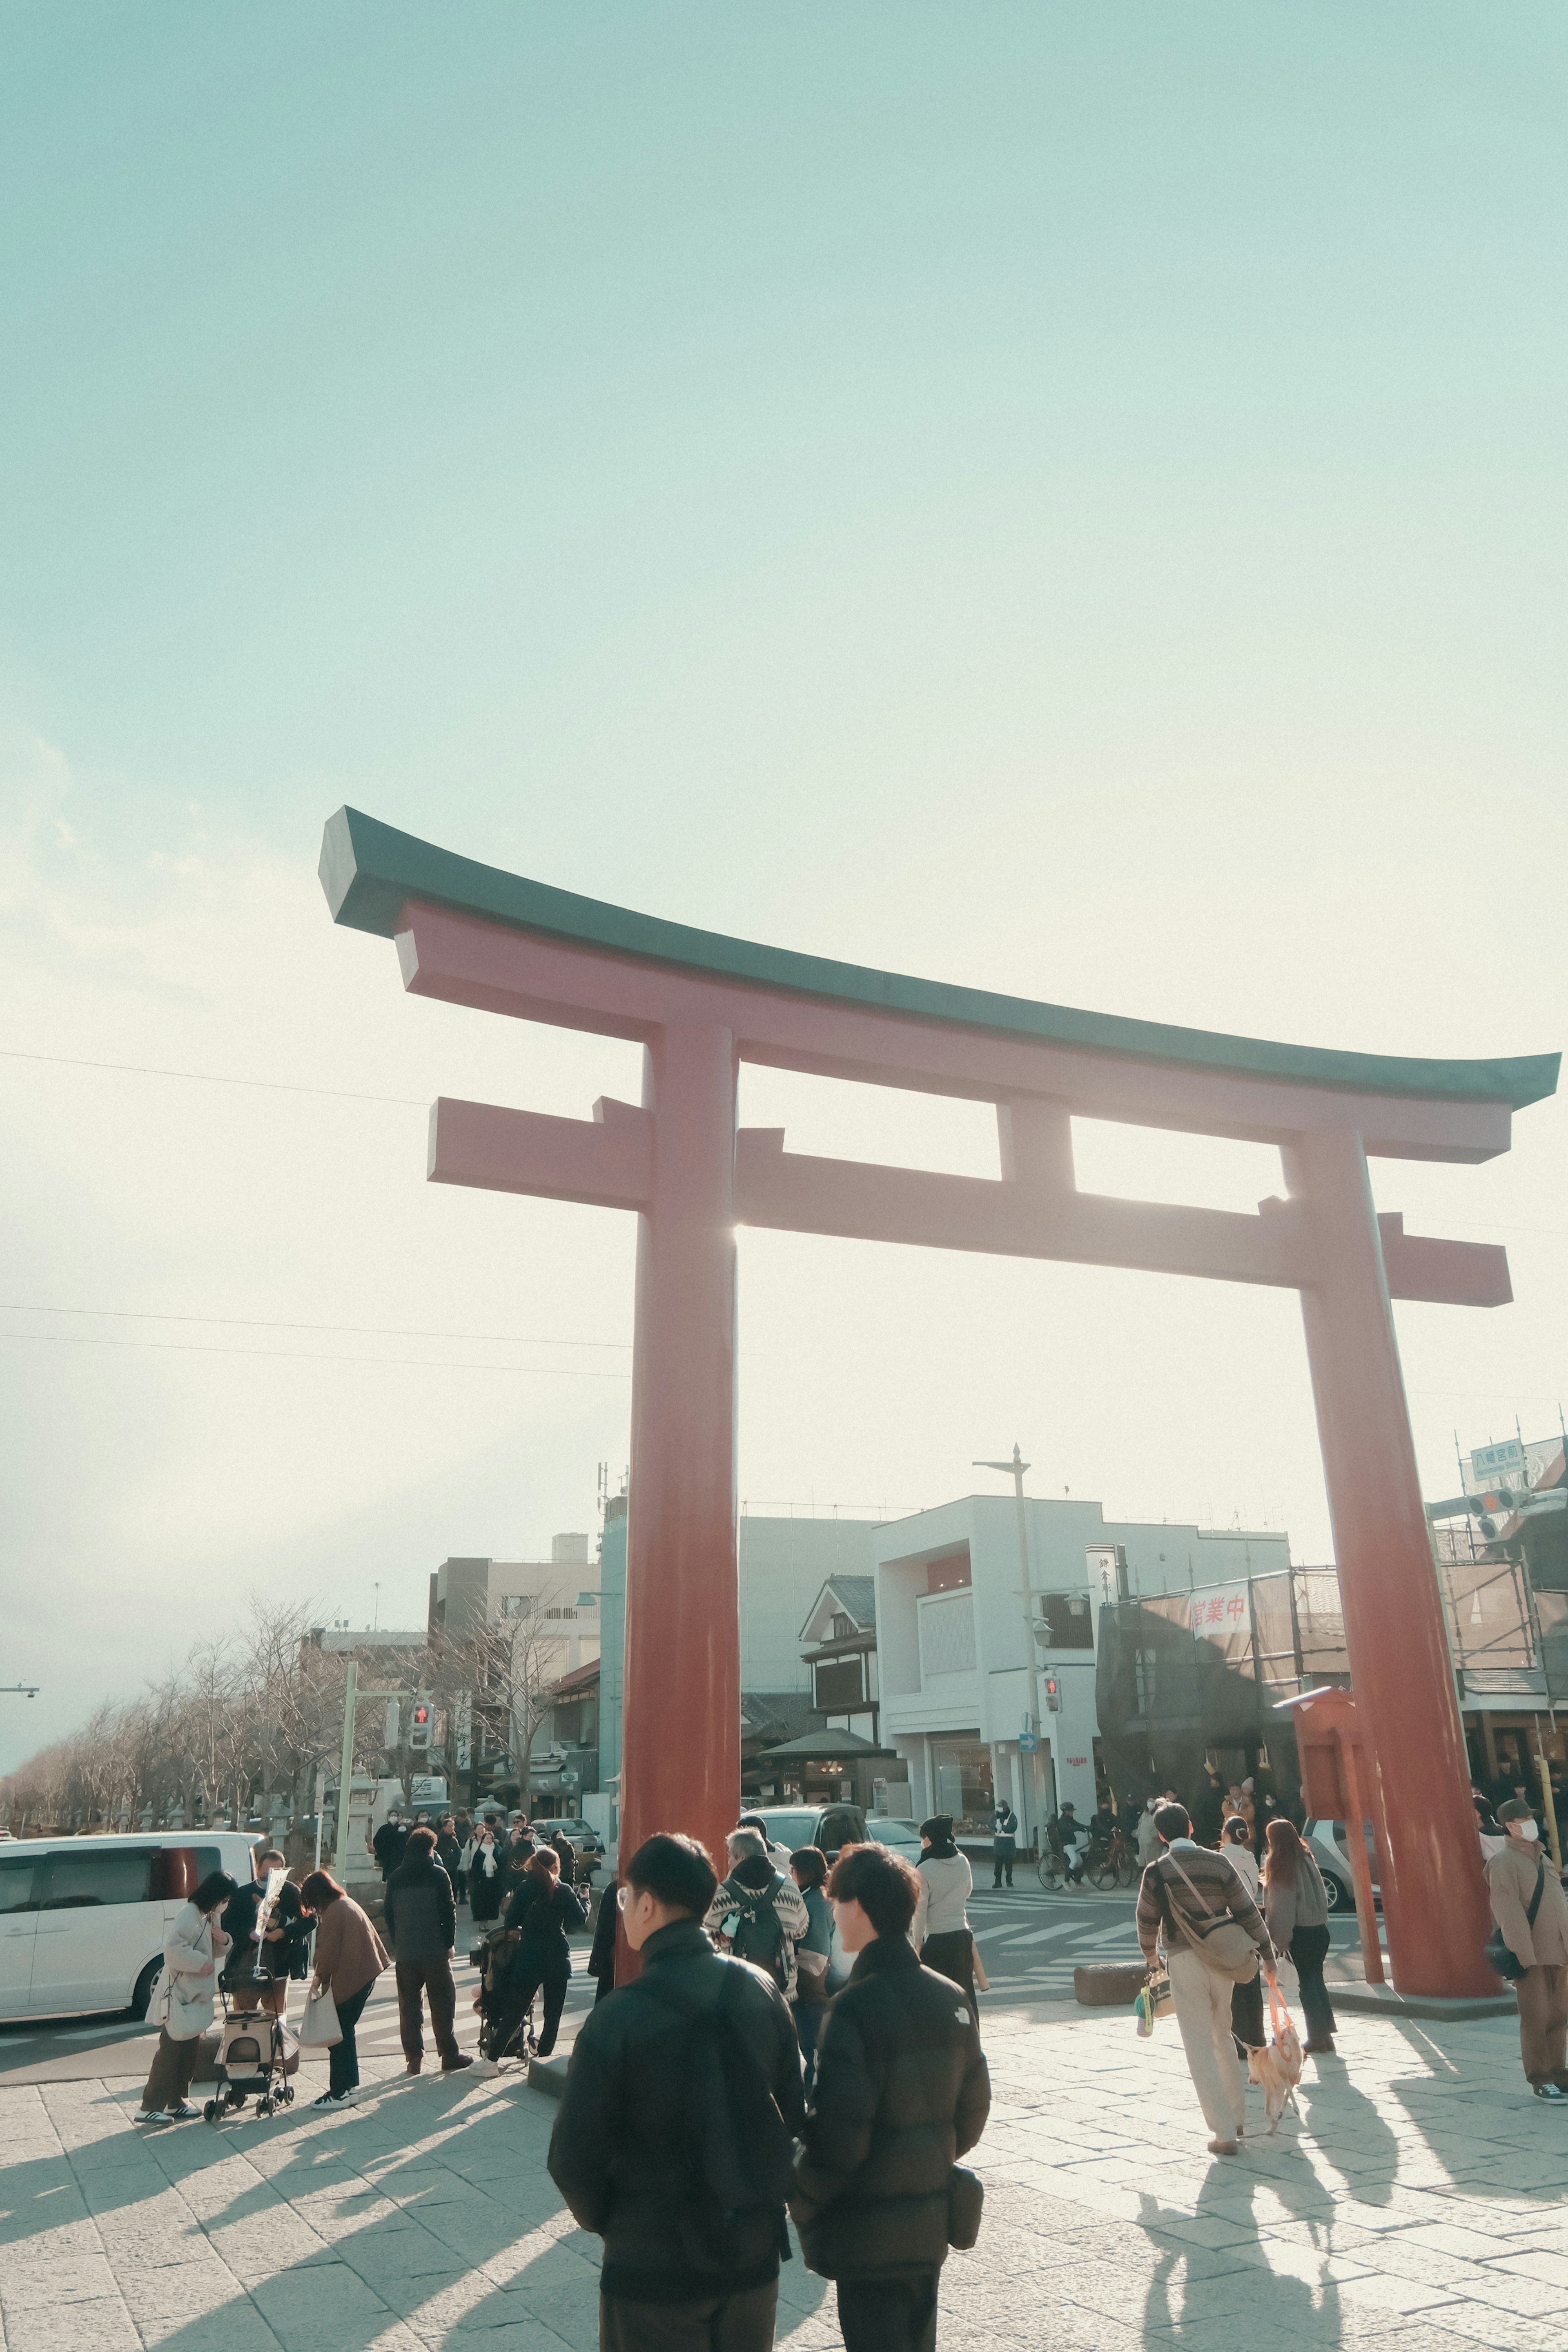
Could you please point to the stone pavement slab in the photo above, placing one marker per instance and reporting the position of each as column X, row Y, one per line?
column 1417, row 2199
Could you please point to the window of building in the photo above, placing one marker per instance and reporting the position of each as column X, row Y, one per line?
column 517, row 1604
column 1068, row 1620
column 839, row 1683
column 842, row 1627
column 561, row 1613
column 947, row 1574
column 948, row 1635
column 1145, row 1663
column 961, row 1783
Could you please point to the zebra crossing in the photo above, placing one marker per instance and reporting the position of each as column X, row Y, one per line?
column 1030, row 1949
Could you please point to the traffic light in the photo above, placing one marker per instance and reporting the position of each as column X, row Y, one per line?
column 1053, row 1694
column 419, row 1727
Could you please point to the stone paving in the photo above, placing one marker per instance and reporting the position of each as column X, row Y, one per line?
column 1419, row 2198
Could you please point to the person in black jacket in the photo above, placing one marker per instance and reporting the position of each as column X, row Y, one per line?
column 902, row 2092
column 601, row 1957
column 544, row 1912
column 390, row 1843
column 449, row 1854
column 421, row 1927
column 642, row 2121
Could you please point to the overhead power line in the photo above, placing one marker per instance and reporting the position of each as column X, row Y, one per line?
column 261, row 1323
column 209, row 1078
column 309, row 1355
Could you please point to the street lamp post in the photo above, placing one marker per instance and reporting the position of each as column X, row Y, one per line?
column 1015, row 1470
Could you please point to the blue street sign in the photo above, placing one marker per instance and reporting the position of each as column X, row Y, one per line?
column 1027, row 1742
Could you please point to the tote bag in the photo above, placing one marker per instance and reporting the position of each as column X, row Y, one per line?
column 319, row 2028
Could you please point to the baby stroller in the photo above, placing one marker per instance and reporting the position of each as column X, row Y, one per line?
column 506, row 2033
column 256, row 2053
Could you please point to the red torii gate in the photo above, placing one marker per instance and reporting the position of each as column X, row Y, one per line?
column 699, row 1004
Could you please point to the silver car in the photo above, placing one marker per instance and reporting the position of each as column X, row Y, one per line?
column 1330, row 1852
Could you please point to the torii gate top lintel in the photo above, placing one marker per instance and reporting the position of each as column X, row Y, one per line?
column 815, row 1013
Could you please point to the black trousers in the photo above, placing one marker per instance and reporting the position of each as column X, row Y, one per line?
column 521, row 1987
column 1310, row 1949
column 889, row 2314
column 953, row 1955
column 719, row 2323
column 1003, row 1851
column 343, row 2058
column 1247, row 2014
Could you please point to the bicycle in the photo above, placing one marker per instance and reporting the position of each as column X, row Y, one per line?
column 1112, row 1862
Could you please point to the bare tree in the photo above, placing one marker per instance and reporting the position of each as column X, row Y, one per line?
column 507, row 1670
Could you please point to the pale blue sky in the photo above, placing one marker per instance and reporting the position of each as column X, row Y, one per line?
column 1065, row 498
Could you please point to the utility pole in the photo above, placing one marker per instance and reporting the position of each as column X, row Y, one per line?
column 1015, row 1470
column 19, row 1690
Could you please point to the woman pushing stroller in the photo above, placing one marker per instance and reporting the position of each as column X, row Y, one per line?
column 542, row 1913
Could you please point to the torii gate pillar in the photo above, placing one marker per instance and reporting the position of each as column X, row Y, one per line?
column 699, row 1004
column 681, row 1736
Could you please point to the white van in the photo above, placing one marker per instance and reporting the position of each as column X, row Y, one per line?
column 83, row 1920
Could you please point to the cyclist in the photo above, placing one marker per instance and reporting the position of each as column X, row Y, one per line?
column 1065, row 1829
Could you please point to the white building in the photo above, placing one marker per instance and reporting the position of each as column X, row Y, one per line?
column 465, row 1594
column 950, row 1617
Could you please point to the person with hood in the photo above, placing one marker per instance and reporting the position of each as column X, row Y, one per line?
column 902, row 2093
column 190, row 1979
column 421, row 1918
column 673, row 2141
column 1530, row 1909
column 1004, row 1842
column 766, row 1912
column 543, row 1912
column 941, row 1933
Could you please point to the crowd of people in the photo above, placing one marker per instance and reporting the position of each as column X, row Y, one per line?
column 733, row 2080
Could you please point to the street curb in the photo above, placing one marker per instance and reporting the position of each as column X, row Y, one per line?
column 1442, row 2008
column 548, row 2075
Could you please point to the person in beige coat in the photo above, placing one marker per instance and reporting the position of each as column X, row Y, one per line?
column 1519, row 1878
column 185, row 2000
column 350, row 1956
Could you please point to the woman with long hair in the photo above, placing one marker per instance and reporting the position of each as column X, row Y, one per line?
column 941, row 1932
column 483, row 1865
column 1296, row 1906
column 190, row 1979
column 544, row 1914
column 350, row 1956
column 1246, row 1999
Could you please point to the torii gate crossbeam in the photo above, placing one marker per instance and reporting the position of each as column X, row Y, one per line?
column 700, row 1005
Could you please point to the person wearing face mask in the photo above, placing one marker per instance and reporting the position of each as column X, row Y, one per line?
column 1531, row 1914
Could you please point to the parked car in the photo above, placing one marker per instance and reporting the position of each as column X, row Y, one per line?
column 82, row 1919
column 1332, row 1854
column 899, row 1837
column 789, row 1827
column 586, row 1842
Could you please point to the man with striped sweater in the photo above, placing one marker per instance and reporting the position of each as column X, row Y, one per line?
column 1188, row 1892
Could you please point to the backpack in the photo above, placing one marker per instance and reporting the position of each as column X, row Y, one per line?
column 742, row 2155
column 759, row 1935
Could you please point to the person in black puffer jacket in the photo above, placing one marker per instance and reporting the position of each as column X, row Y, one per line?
column 902, row 2092
column 544, row 1914
column 690, row 2261
column 421, row 1925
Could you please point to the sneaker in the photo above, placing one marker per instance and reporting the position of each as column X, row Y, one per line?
column 333, row 2099
column 151, row 2116
column 184, row 2112
column 456, row 2066
column 1222, row 2148
column 1542, row 2091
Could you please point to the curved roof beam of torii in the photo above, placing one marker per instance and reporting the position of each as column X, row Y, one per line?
column 813, row 1012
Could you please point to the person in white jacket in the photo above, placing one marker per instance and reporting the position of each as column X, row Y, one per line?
column 940, row 1930
column 189, row 1981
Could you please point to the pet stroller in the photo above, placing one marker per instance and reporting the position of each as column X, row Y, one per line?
column 256, row 2053
column 506, row 2033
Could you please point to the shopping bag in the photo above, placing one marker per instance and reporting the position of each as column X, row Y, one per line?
column 1155, row 2001
column 982, row 1981
column 319, row 2028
